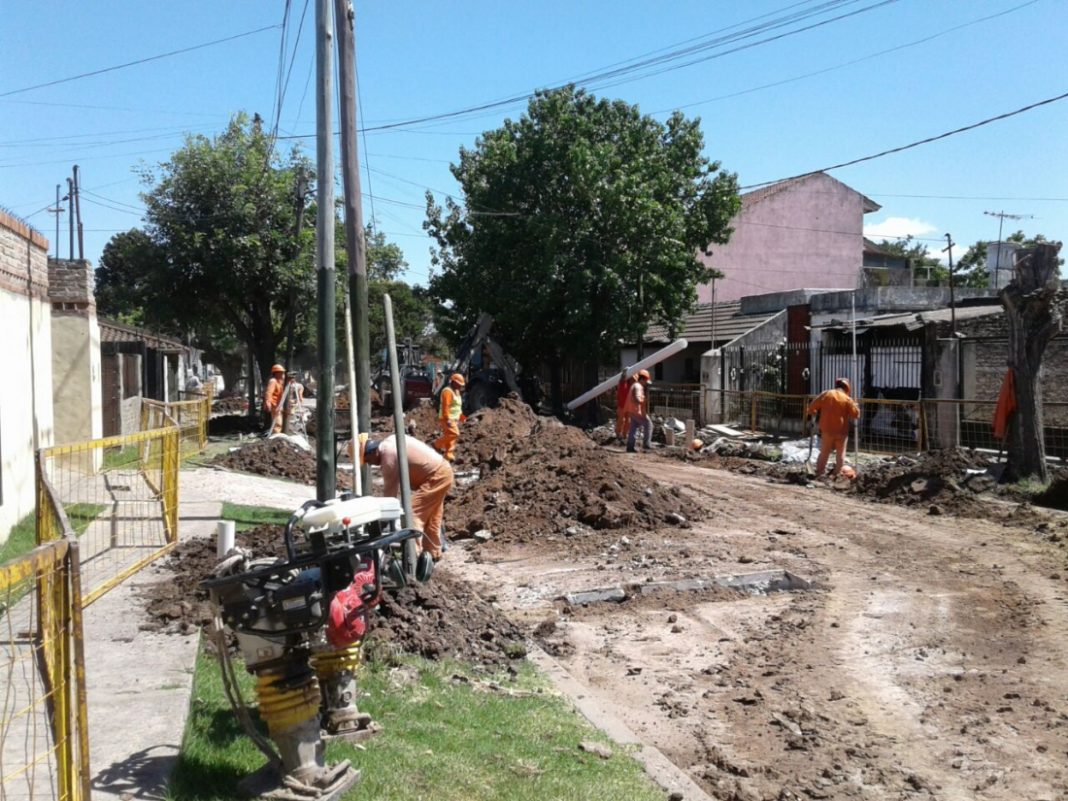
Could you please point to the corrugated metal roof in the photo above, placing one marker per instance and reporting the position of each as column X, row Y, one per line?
column 913, row 321
column 697, row 326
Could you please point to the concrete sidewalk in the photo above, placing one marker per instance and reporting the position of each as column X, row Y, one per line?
column 139, row 682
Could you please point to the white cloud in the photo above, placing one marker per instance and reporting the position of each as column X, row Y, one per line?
column 898, row 228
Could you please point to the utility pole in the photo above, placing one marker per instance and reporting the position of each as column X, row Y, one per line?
column 355, row 245
column 70, row 217
column 952, row 297
column 712, row 344
column 76, row 203
column 57, row 210
column 325, row 466
column 1001, row 215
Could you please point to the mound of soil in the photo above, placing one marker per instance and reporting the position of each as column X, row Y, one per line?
column 556, row 480
column 277, row 458
column 937, row 477
column 1055, row 495
column 231, row 405
column 491, row 436
column 443, row 618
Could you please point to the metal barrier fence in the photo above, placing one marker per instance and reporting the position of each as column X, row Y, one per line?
column 191, row 417
column 676, row 400
column 44, row 734
column 892, row 426
column 121, row 497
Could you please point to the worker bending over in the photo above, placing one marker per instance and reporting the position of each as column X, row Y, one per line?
column 430, row 478
column 272, row 397
column 637, row 409
column 450, row 416
column 836, row 410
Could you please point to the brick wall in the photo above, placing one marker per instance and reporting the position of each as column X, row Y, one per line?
column 71, row 285
column 23, row 258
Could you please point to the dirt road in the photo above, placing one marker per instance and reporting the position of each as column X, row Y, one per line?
column 930, row 659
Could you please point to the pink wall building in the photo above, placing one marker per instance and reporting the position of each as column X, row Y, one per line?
column 805, row 233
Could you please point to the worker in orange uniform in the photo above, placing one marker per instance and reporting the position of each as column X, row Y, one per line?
column 836, row 409
column 450, row 416
column 622, row 390
column 637, row 410
column 272, row 397
column 430, row 477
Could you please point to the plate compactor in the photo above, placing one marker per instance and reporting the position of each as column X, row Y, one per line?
column 299, row 623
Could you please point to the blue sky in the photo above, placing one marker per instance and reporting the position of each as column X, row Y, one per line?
column 887, row 73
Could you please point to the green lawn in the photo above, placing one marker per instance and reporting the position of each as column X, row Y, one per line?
column 443, row 739
column 23, row 537
column 247, row 517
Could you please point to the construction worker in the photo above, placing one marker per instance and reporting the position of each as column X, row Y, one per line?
column 637, row 409
column 272, row 397
column 836, row 409
column 294, row 399
column 430, row 477
column 622, row 390
column 450, row 416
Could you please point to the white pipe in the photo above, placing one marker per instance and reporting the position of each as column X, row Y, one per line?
column 224, row 537
column 648, row 361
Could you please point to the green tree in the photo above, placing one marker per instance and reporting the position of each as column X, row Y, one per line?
column 580, row 225
column 972, row 265
column 223, row 213
column 126, row 283
column 925, row 267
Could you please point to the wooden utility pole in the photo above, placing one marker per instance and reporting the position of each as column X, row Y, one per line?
column 952, row 298
column 325, row 466
column 355, row 246
column 1035, row 306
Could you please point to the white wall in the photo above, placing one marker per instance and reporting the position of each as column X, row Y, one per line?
column 27, row 336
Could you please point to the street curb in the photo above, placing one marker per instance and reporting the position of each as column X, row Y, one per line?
column 661, row 770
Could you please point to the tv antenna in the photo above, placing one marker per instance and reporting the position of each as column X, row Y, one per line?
column 1002, row 216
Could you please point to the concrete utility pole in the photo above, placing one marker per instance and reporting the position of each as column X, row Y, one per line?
column 70, row 217
column 57, row 210
column 952, row 297
column 1001, row 215
column 76, row 204
column 325, row 457
column 355, row 245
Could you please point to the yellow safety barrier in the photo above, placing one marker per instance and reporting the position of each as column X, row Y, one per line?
column 44, row 733
column 120, row 495
column 190, row 416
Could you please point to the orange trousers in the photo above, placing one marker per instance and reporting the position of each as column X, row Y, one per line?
column 446, row 443
column 428, row 506
column 830, row 443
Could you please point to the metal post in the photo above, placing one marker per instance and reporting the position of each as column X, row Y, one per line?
column 78, row 213
column 712, row 344
column 57, row 210
column 355, row 246
column 399, row 433
column 952, row 297
column 70, row 218
column 325, row 466
column 357, row 468
column 856, row 383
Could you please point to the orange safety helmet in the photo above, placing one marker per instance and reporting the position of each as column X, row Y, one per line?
column 457, row 379
column 277, row 369
column 644, row 374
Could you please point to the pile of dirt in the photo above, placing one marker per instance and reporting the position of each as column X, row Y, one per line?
column 441, row 619
column 277, row 458
column 419, row 421
column 444, row 619
column 555, row 480
column 1055, row 496
column 491, row 436
column 941, row 478
column 230, row 405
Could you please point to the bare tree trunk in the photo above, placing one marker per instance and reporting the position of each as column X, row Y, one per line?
column 1034, row 306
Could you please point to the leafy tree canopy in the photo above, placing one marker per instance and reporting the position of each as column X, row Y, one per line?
column 925, row 266
column 972, row 265
column 580, row 225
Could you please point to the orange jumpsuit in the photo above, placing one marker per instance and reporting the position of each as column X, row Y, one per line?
column 835, row 409
column 449, row 419
column 272, row 397
column 430, row 477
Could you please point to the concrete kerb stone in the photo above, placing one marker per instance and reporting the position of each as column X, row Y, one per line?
column 661, row 770
column 139, row 683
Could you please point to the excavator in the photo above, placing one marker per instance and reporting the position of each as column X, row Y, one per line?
column 489, row 371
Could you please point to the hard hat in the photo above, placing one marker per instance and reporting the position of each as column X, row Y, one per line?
column 696, row 445
column 277, row 369
column 843, row 383
column 644, row 374
column 456, row 378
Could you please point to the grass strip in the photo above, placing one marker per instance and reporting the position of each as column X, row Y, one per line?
column 448, row 735
column 246, row 517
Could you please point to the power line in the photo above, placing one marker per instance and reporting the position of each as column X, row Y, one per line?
column 917, row 143
column 137, row 62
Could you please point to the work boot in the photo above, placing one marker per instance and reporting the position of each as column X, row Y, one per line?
column 632, row 450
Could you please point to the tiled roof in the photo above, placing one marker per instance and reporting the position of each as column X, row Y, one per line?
column 697, row 326
column 764, row 192
column 112, row 331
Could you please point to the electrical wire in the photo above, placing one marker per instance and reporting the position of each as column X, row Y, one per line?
column 139, row 61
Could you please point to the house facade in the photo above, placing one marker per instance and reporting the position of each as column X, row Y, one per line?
column 805, row 232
